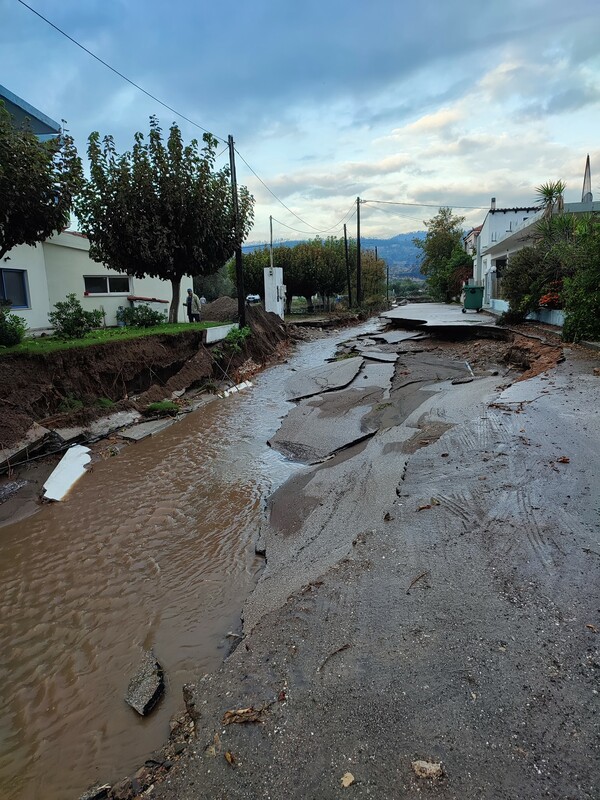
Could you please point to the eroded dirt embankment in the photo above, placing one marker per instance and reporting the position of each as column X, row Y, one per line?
column 53, row 387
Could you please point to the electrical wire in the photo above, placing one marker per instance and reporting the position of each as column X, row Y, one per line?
column 347, row 218
column 397, row 214
column 120, row 74
column 424, row 205
column 287, row 208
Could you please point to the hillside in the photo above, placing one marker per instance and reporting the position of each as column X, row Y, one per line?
column 399, row 252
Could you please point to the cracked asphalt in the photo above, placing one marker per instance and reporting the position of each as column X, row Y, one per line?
column 431, row 593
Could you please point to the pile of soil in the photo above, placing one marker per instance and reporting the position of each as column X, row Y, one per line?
column 64, row 388
column 224, row 309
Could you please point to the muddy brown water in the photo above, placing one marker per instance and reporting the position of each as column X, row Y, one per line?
column 153, row 548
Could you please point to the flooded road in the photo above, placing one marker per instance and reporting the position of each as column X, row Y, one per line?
column 155, row 548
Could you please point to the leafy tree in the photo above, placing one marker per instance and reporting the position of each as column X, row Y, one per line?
column 161, row 210
column 218, row 285
column 253, row 266
column 438, row 262
column 37, row 184
column 373, row 278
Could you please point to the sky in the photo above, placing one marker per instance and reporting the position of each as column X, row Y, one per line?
column 438, row 102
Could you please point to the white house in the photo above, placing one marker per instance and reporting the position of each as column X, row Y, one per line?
column 499, row 225
column 34, row 278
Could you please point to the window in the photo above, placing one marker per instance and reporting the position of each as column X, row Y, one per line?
column 106, row 284
column 13, row 287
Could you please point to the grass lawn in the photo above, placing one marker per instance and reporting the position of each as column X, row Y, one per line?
column 49, row 344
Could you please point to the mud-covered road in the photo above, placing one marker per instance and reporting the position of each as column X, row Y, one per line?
column 431, row 593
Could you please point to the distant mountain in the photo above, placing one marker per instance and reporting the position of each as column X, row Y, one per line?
column 399, row 252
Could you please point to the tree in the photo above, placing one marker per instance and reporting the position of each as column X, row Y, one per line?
column 444, row 233
column 373, row 278
column 218, row 285
column 37, row 184
column 161, row 210
column 550, row 197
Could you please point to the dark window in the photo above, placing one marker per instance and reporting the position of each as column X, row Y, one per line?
column 13, row 287
column 120, row 284
column 101, row 284
column 95, row 285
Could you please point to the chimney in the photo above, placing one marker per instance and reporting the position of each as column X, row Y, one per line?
column 493, row 205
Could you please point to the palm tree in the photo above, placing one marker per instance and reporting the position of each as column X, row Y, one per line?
column 550, row 197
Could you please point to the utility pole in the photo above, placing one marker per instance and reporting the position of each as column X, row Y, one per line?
column 271, row 247
column 358, row 264
column 239, row 275
column 347, row 268
column 387, row 285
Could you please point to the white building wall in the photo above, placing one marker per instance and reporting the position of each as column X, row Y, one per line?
column 67, row 262
column 31, row 260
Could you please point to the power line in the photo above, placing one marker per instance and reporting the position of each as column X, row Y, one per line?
column 120, row 74
column 348, row 216
column 397, row 214
column 287, row 208
column 423, row 205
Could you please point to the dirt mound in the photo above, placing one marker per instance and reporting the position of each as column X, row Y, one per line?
column 224, row 309
column 65, row 387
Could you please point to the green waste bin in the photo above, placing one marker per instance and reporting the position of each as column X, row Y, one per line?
column 473, row 298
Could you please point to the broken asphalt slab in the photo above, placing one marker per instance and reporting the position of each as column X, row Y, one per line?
column 378, row 355
column 328, row 377
column 324, row 424
column 436, row 315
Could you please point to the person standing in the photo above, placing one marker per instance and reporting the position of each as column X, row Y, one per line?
column 194, row 307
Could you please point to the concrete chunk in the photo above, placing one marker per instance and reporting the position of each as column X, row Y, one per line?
column 34, row 439
column 147, row 685
column 145, row 429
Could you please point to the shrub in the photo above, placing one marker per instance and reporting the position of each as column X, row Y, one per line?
column 70, row 404
column 12, row 328
column 105, row 402
column 141, row 316
column 163, row 408
column 70, row 320
column 236, row 338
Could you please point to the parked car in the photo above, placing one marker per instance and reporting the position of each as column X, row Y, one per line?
column 253, row 298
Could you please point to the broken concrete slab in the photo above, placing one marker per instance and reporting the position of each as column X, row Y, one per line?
column 147, row 685
column 106, row 425
column 138, row 432
column 219, row 332
column 70, row 434
column 325, row 378
column 68, row 471
column 34, row 440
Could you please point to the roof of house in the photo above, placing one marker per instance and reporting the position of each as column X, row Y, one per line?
column 517, row 208
column 21, row 110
